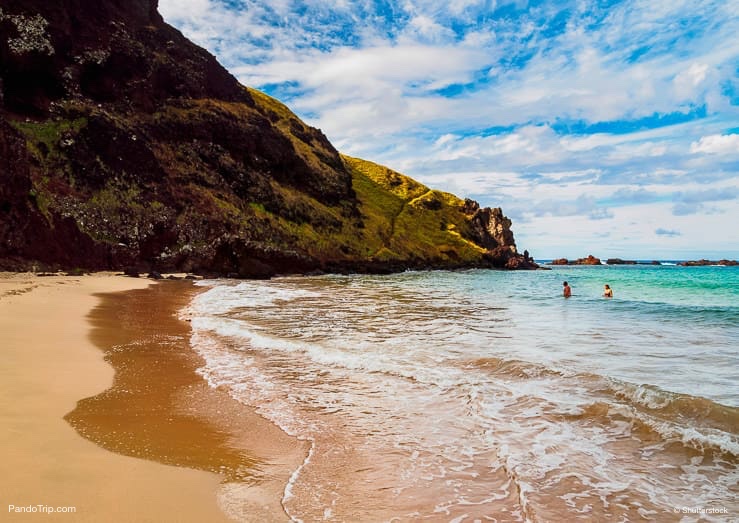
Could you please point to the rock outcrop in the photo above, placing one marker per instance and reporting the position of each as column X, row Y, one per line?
column 492, row 230
column 125, row 145
column 619, row 261
column 590, row 260
column 703, row 262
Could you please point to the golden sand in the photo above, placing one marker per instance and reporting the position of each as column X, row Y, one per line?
column 158, row 445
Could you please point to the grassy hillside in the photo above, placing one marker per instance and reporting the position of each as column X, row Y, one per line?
column 405, row 219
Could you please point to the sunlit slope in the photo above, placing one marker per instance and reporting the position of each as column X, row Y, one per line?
column 405, row 219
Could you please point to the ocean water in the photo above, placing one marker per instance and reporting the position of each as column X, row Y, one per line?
column 487, row 396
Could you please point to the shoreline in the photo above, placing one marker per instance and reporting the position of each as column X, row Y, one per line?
column 107, row 355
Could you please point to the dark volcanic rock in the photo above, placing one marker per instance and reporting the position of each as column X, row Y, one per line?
column 15, row 208
column 108, row 51
column 490, row 228
column 129, row 143
column 246, row 259
column 704, row 262
column 26, row 232
column 619, row 261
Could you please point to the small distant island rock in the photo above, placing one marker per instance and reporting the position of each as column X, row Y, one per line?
column 619, row 261
column 704, row 262
column 590, row 260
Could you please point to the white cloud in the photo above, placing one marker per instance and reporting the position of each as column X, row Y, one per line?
column 688, row 81
column 424, row 28
column 630, row 151
column 716, row 144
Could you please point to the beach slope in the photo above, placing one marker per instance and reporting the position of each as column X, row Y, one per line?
column 49, row 363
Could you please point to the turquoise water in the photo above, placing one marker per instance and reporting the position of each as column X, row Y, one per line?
column 485, row 395
column 670, row 326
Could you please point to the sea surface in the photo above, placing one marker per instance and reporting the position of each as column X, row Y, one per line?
column 487, row 396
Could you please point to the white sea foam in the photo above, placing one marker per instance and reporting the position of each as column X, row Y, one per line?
column 642, row 394
column 703, row 439
column 288, row 493
column 404, row 379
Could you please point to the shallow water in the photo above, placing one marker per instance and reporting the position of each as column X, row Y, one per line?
column 484, row 395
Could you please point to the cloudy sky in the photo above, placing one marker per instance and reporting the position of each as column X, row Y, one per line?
column 600, row 126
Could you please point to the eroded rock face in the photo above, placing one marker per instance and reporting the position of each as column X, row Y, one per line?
column 14, row 191
column 490, row 228
column 26, row 232
column 590, row 260
column 106, row 51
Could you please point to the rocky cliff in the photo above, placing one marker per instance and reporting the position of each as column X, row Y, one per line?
column 124, row 144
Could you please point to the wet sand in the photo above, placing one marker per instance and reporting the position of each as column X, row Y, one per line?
column 158, row 445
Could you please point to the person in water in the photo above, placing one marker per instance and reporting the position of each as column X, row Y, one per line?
column 607, row 292
column 566, row 291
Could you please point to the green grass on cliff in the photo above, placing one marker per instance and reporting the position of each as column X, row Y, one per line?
column 47, row 134
column 398, row 221
column 406, row 219
column 45, row 142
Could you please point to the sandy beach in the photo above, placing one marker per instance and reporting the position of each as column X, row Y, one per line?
column 157, row 445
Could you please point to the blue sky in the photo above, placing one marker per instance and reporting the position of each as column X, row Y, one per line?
column 599, row 126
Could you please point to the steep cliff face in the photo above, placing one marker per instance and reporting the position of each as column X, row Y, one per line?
column 26, row 233
column 125, row 144
column 107, row 51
